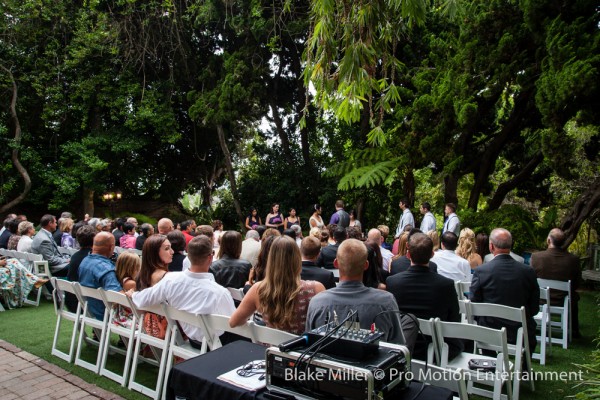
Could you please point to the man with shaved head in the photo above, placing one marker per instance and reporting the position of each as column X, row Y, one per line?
column 165, row 225
column 558, row 264
column 97, row 271
column 373, row 306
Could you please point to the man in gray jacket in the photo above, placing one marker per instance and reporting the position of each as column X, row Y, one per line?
column 44, row 244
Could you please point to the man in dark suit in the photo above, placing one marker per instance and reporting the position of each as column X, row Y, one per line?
column 310, row 248
column 558, row 264
column 402, row 263
column 329, row 252
column 424, row 294
column 507, row 282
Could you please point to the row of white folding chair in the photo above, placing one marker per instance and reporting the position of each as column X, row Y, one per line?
column 33, row 263
column 564, row 311
column 521, row 350
column 544, row 323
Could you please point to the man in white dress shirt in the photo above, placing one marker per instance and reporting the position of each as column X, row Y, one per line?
column 452, row 223
column 428, row 223
column 193, row 290
column 406, row 218
column 449, row 264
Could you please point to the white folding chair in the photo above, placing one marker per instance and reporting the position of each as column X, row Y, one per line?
column 62, row 313
column 427, row 327
column 159, row 347
column 237, row 294
column 112, row 301
column 273, row 337
column 564, row 311
column 85, row 293
column 462, row 288
column 520, row 350
column 462, row 309
column 30, row 260
column 217, row 324
column 453, row 380
column 492, row 337
column 544, row 324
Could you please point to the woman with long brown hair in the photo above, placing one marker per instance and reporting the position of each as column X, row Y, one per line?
column 281, row 297
column 156, row 257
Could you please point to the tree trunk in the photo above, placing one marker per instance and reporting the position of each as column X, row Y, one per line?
column 17, row 144
column 581, row 210
column 285, row 141
column 88, row 201
column 409, row 187
column 451, row 189
column 503, row 189
column 230, row 174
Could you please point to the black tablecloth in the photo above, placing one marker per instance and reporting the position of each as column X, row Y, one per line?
column 196, row 378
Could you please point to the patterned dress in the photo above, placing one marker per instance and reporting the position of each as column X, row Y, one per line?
column 15, row 283
column 307, row 292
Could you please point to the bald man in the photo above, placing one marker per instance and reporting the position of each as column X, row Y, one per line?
column 507, row 282
column 558, row 264
column 376, row 236
column 165, row 225
column 97, row 271
column 372, row 305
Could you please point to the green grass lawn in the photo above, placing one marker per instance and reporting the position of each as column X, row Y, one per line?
column 32, row 329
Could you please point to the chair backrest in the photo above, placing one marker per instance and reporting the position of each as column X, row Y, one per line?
column 555, row 285
column 454, row 380
column 174, row 315
column 111, row 297
column 545, row 294
column 63, row 286
column 216, row 324
column 237, row 294
column 462, row 288
column 427, row 327
column 500, row 311
column 274, row 337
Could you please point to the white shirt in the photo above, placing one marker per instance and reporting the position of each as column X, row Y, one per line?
column 428, row 223
column 452, row 224
column 489, row 257
column 405, row 219
column 250, row 251
column 386, row 255
column 24, row 244
column 452, row 266
column 194, row 292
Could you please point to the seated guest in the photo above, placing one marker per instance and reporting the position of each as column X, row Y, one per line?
column 26, row 230
column 375, row 275
column 328, row 253
column 6, row 233
column 128, row 239
column 66, row 226
column 118, row 231
column 290, row 232
column 401, row 262
column 177, row 240
column 467, row 248
column 147, row 231
column 44, row 244
column 14, row 238
column 282, row 297
column 85, row 238
column 385, row 232
column 354, row 233
column 229, row 270
column 450, row 264
column 193, row 290
column 298, row 231
column 97, row 271
column 16, row 282
column 375, row 236
column 426, row 295
column 373, row 306
column 558, row 264
column 187, row 228
column 310, row 249
column 508, row 282
column 251, row 247
column 57, row 235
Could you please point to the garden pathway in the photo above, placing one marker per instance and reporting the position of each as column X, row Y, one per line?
column 25, row 376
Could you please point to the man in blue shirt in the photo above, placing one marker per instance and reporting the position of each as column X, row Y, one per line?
column 97, row 271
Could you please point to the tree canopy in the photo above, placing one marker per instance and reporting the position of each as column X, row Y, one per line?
column 482, row 104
